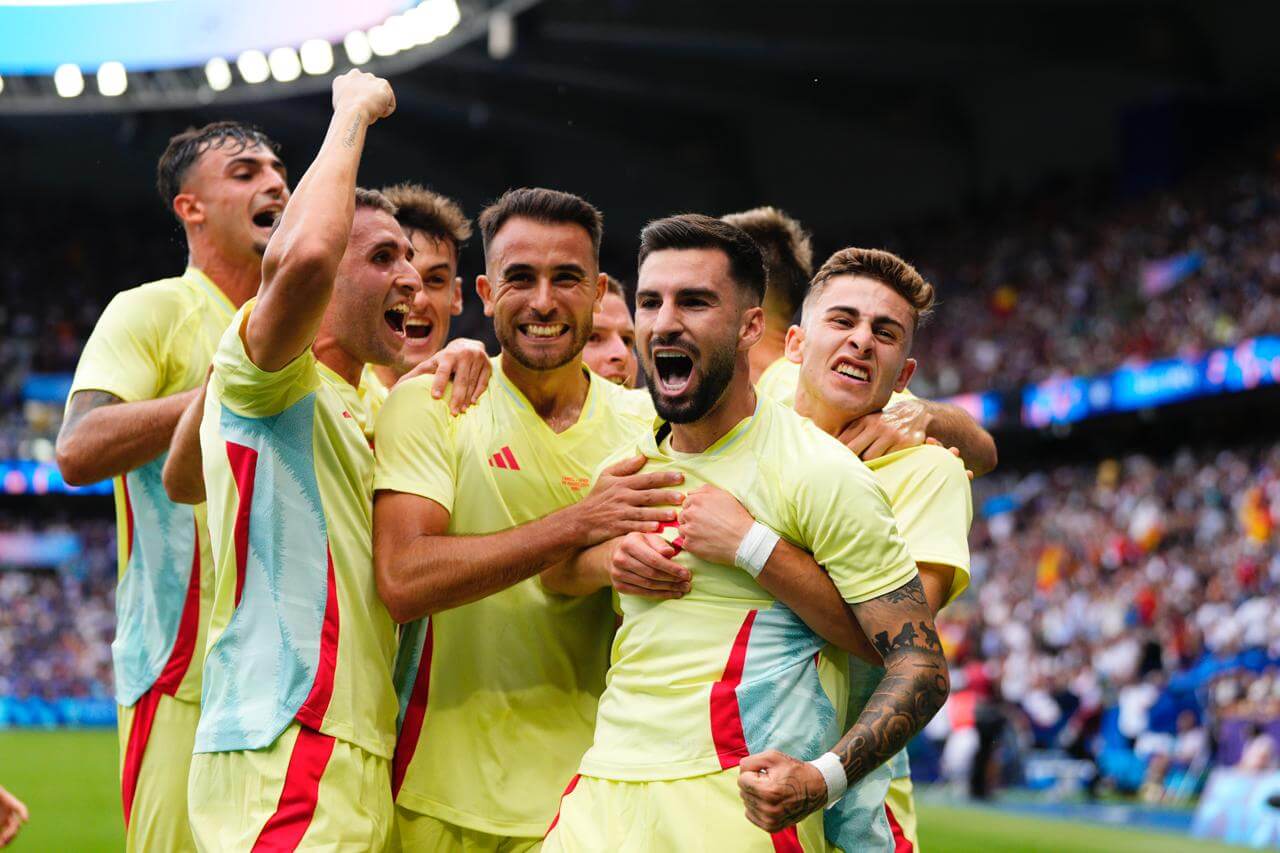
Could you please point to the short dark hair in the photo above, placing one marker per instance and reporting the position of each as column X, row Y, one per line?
column 375, row 200
column 437, row 216
column 185, row 148
column 696, row 231
column 616, row 287
column 879, row 265
column 542, row 205
column 787, row 249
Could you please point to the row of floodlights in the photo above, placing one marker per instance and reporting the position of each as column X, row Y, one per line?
column 422, row 24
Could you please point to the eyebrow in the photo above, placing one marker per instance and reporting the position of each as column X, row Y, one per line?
column 878, row 319
column 385, row 244
column 440, row 266
column 250, row 160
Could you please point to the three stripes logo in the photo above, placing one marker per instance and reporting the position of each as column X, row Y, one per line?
column 504, row 458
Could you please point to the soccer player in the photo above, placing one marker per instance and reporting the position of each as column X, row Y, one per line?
column 145, row 360
column 850, row 353
column 701, row 680
column 297, row 724
column 907, row 421
column 499, row 685
column 437, row 228
column 611, row 348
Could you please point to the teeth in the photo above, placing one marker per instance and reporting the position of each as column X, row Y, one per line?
column 540, row 331
column 850, row 370
column 416, row 323
column 669, row 355
column 399, row 309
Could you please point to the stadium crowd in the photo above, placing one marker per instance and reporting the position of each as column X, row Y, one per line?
column 1125, row 613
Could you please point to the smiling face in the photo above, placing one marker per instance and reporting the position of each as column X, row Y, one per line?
column 541, row 287
column 611, row 348
column 233, row 198
column 692, row 323
column 427, row 325
column 853, row 346
column 375, row 287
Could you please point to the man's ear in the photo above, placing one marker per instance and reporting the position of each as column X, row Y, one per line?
column 485, row 291
column 904, row 376
column 752, row 328
column 188, row 209
column 455, row 304
column 602, row 287
column 794, row 347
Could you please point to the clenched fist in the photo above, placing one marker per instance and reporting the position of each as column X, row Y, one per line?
column 370, row 95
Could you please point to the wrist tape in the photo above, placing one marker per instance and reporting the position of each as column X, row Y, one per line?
column 832, row 771
column 755, row 548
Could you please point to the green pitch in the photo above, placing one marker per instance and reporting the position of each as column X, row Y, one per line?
column 68, row 780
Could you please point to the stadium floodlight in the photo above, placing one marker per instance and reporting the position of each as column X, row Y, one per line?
column 112, row 80
column 218, row 73
column 383, row 40
column 253, row 66
column 418, row 25
column 317, row 56
column 1, row 85
column 284, row 64
column 356, row 44
column 443, row 14
column 68, row 81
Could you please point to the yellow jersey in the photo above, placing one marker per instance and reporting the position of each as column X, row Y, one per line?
column 154, row 341
column 498, row 697
column 699, row 682
column 298, row 631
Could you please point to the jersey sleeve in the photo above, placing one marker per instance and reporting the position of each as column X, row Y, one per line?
column 125, row 354
column 934, row 508
column 842, row 517
column 413, row 440
column 247, row 389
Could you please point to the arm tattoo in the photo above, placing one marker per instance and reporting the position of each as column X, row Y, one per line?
column 84, row 402
column 350, row 139
column 915, row 682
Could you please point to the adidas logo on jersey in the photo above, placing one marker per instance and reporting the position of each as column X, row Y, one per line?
column 504, row 458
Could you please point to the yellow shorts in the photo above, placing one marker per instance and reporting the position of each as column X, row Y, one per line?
column 704, row 813
column 900, row 806
column 417, row 831
column 156, row 736
column 305, row 791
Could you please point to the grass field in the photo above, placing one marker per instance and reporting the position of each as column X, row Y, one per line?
column 68, row 780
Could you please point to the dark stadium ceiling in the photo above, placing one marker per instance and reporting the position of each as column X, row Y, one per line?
column 848, row 112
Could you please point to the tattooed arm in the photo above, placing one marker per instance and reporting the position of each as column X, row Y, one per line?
column 103, row 436
column 779, row 790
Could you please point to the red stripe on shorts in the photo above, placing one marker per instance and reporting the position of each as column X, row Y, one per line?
column 414, row 712
column 901, row 844
column 313, row 709
column 128, row 517
column 573, row 783
column 144, row 714
column 726, row 722
column 787, row 841
column 297, row 805
column 184, row 644
column 244, row 464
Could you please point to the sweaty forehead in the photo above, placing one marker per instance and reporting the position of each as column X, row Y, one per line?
column 676, row 269
column 215, row 158
column 865, row 296
column 613, row 313
column 541, row 245
column 372, row 227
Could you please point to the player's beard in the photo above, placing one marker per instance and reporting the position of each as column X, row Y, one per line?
column 509, row 339
column 715, row 375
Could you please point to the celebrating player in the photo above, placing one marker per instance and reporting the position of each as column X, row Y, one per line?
column 437, row 229
column 847, row 357
column 144, row 362
column 611, row 348
column 701, row 680
column 298, row 719
column 907, row 421
column 498, row 687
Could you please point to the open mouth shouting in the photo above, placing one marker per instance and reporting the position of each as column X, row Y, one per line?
column 265, row 217
column 417, row 328
column 673, row 370
column 395, row 317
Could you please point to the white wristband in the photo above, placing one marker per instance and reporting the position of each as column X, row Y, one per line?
column 755, row 548
column 832, row 771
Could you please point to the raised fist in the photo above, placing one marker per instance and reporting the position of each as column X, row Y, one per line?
column 369, row 94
